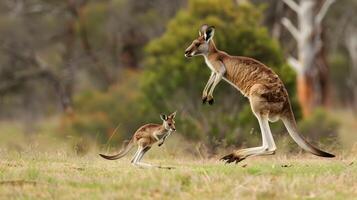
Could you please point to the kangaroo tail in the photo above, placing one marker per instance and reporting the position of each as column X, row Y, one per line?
column 121, row 154
column 290, row 124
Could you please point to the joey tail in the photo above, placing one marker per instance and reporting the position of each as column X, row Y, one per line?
column 290, row 124
column 121, row 154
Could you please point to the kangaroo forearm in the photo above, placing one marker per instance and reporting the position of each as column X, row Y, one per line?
column 216, row 81
column 218, row 78
column 209, row 83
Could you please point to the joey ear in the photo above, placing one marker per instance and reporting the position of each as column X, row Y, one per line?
column 163, row 117
column 209, row 33
column 173, row 115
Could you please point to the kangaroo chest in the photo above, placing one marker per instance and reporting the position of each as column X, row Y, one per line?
column 209, row 64
column 161, row 134
column 215, row 70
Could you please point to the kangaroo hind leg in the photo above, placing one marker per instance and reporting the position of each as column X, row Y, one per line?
column 268, row 145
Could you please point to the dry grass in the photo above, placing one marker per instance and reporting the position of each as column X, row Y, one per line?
column 36, row 175
column 43, row 166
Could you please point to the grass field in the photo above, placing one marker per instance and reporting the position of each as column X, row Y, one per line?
column 58, row 175
column 43, row 166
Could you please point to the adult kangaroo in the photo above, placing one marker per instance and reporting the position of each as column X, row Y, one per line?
column 267, row 95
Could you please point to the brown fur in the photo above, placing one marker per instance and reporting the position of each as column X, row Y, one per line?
column 145, row 137
column 252, row 78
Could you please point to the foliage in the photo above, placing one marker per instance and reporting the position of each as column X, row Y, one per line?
column 113, row 115
column 50, row 50
column 171, row 82
column 320, row 127
column 341, row 73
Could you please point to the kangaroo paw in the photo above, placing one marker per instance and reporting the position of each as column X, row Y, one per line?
column 166, row 167
column 232, row 158
column 204, row 99
column 211, row 101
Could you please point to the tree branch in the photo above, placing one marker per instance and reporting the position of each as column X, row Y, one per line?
column 291, row 28
column 295, row 64
column 293, row 5
column 35, row 68
column 321, row 14
column 78, row 13
column 20, row 77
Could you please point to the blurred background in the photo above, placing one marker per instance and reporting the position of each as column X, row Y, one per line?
column 85, row 74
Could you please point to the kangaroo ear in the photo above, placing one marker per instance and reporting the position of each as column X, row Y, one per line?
column 202, row 29
column 209, row 33
column 173, row 115
column 163, row 117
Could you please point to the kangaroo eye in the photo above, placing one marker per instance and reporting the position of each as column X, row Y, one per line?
column 197, row 44
column 170, row 124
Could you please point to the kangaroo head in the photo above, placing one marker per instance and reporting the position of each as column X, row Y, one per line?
column 168, row 121
column 200, row 46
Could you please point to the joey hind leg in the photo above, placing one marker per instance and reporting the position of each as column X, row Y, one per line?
column 137, row 159
column 140, row 155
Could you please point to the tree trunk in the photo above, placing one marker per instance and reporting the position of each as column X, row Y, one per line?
column 310, row 65
column 305, row 93
column 68, row 71
column 78, row 12
column 351, row 46
column 321, row 77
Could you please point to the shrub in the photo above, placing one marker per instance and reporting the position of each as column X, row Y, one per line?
column 320, row 127
column 113, row 114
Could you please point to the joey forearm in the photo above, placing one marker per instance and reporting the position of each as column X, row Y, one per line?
column 156, row 138
column 163, row 139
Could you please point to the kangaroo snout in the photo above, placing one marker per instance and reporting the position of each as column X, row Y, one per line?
column 188, row 54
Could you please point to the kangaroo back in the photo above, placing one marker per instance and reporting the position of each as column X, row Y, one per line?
column 290, row 124
column 121, row 154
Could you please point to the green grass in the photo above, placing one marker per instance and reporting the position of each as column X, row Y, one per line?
column 36, row 175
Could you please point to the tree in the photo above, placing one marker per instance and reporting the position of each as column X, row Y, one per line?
column 25, row 70
column 62, row 47
column 310, row 66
